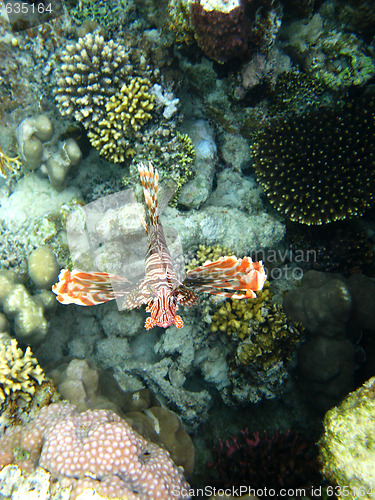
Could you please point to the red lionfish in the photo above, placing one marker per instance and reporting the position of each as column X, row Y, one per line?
column 160, row 289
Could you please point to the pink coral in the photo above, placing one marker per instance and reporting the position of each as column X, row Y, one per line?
column 96, row 449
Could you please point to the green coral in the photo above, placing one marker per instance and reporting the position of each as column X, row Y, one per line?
column 179, row 20
column 348, row 64
column 19, row 372
column 260, row 328
column 347, row 447
column 171, row 152
column 101, row 11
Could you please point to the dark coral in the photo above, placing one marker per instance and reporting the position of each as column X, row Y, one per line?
column 284, row 460
column 236, row 33
column 319, row 167
column 341, row 247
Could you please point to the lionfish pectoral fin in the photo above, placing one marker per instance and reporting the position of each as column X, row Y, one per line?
column 178, row 321
column 229, row 277
column 88, row 289
column 150, row 323
column 185, row 297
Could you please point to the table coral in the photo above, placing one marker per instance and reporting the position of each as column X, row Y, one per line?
column 96, row 449
column 19, row 372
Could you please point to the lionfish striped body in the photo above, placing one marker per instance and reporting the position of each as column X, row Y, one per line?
column 160, row 289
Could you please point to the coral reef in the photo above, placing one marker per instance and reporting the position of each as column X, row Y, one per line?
column 111, row 17
column 43, row 268
column 312, row 166
column 26, row 224
column 171, row 152
column 333, row 310
column 337, row 59
column 226, row 30
column 41, row 148
column 88, row 86
column 83, row 385
column 8, row 165
column 347, row 446
column 94, row 449
column 19, row 372
column 27, row 311
column 179, row 20
column 282, row 460
column 128, row 109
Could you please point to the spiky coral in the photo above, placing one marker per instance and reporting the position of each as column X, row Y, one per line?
column 19, row 372
column 8, row 165
column 318, row 168
column 127, row 111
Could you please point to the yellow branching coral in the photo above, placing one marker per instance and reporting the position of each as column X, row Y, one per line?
column 263, row 333
column 208, row 252
column 127, row 111
column 19, row 372
column 234, row 316
column 8, row 165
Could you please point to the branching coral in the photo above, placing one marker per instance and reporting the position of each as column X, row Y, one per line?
column 261, row 329
column 318, row 168
column 92, row 72
column 19, row 372
column 127, row 111
column 8, row 165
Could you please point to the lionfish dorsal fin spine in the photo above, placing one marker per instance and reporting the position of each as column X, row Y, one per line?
column 150, row 183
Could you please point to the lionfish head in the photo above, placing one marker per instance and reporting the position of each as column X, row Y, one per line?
column 163, row 311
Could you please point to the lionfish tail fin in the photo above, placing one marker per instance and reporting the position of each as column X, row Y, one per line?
column 229, row 277
column 88, row 289
column 150, row 180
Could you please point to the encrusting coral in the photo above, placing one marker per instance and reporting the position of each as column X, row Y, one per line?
column 318, row 167
column 347, row 450
column 94, row 449
column 19, row 372
column 90, row 77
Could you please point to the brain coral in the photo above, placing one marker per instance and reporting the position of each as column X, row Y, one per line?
column 319, row 167
column 19, row 372
column 95, row 449
column 90, row 77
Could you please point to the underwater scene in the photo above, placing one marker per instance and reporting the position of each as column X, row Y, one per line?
column 187, row 239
